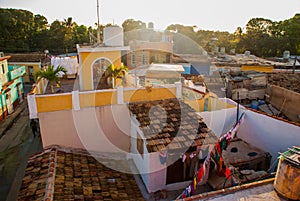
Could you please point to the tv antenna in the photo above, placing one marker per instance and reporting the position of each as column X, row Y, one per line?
column 98, row 24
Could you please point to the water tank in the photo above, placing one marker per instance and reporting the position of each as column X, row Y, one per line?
column 287, row 179
column 150, row 25
column 247, row 53
column 216, row 49
column 222, row 50
column 286, row 54
column 113, row 36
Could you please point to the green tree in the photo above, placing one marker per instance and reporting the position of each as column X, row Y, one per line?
column 69, row 30
column 39, row 33
column 15, row 29
column 81, row 34
column 258, row 36
column 291, row 31
column 55, row 42
column 131, row 24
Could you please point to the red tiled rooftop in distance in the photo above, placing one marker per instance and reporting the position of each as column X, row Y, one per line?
column 27, row 57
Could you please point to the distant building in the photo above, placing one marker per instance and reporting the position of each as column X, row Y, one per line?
column 157, row 74
column 11, row 86
column 146, row 52
column 32, row 62
column 193, row 64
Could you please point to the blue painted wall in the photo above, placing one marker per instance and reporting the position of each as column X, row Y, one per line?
column 200, row 68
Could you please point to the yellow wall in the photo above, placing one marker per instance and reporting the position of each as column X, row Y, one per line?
column 87, row 60
column 213, row 103
column 262, row 69
column 97, row 99
column 57, row 102
column 149, row 95
column 54, row 103
column 64, row 102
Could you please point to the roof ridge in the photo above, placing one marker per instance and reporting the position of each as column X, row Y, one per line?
column 51, row 175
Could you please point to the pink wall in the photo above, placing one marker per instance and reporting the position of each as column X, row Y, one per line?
column 101, row 129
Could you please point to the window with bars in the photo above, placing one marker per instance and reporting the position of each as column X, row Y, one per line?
column 133, row 59
column 144, row 58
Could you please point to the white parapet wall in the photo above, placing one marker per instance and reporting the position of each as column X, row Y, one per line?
column 264, row 132
column 269, row 134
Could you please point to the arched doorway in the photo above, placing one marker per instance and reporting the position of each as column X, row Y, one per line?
column 98, row 68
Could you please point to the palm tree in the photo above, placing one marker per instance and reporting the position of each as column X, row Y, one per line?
column 51, row 75
column 115, row 73
column 69, row 33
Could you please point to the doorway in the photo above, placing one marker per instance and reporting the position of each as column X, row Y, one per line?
column 31, row 74
column 9, row 104
column 20, row 92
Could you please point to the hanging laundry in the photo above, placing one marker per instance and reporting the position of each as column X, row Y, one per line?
column 70, row 64
column 227, row 173
column 195, row 183
column 216, row 154
column 201, row 173
column 163, row 157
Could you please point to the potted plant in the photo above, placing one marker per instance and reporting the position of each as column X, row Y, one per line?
column 114, row 73
column 51, row 75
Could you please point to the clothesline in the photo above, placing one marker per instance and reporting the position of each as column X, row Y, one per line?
column 216, row 153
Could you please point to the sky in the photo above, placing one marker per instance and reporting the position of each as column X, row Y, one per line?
column 221, row 15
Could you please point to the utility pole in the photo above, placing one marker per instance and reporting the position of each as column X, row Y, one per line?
column 98, row 24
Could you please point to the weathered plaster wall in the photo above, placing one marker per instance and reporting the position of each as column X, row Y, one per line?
column 101, row 129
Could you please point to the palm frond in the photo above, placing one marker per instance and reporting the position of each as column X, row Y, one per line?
column 50, row 74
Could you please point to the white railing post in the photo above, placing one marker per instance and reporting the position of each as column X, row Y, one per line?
column 120, row 95
column 178, row 90
column 75, row 100
column 45, row 83
column 33, row 114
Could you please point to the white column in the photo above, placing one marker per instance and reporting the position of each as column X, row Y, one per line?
column 45, row 84
column 38, row 88
column 178, row 90
column 75, row 100
column 120, row 95
column 33, row 114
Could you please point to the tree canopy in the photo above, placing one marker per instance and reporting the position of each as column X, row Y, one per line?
column 22, row 31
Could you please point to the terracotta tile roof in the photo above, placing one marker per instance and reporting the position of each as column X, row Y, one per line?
column 72, row 174
column 29, row 57
column 171, row 120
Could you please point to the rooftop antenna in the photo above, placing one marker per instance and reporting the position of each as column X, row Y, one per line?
column 98, row 28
